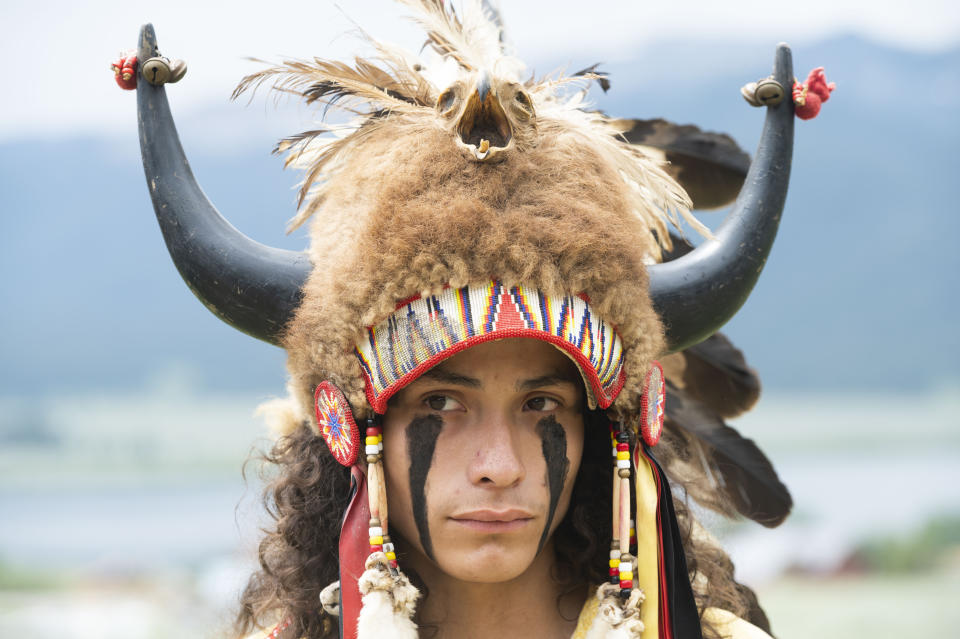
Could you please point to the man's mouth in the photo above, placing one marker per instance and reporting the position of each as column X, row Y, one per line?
column 493, row 521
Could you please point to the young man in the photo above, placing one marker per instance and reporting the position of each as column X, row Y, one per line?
column 470, row 447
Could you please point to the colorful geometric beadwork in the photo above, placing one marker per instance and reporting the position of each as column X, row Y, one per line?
column 336, row 423
column 652, row 405
column 424, row 331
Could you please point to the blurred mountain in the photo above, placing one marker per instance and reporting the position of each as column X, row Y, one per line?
column 859, row 292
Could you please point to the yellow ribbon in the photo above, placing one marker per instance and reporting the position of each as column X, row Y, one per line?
column 648, row 547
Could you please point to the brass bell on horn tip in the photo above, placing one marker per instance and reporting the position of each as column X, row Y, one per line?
column 159, row 70
column 766, row 92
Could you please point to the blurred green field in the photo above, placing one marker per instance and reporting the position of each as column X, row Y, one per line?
column 867, row 606
column 170, row 607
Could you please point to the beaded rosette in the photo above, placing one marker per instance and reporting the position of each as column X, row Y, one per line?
column 336, row 424
column 653, row 405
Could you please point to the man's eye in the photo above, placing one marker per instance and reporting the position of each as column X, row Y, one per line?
column 442, row 403
column 542, row 404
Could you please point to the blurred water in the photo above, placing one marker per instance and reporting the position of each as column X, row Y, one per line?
column 126, row 527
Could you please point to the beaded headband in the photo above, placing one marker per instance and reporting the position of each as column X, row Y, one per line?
column 424, row 331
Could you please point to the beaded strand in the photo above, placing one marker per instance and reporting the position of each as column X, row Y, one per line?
column 615, row 562
column 615, row 542
column 377, row 495
column 625, row 565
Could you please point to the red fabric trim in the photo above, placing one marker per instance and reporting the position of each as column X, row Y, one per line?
column 664, row 616
column 354, row 550
column 379, row 404
column 408, row 300
column 404, row 302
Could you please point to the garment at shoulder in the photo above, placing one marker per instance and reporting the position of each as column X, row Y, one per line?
column 727, row 624
column 731, row 626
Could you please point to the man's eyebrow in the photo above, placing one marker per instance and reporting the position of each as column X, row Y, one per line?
column 551, row 379
column 442, row 375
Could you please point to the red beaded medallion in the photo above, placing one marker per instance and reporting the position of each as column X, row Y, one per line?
column 652, row 405
column 336, row 423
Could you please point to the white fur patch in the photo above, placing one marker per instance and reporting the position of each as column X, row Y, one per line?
column 281, row 415
column 616, row 619
column 389, row 602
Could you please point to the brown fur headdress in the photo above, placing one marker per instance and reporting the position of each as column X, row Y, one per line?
column 404, row 203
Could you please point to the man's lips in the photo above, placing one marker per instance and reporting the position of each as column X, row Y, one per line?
column 493, row 521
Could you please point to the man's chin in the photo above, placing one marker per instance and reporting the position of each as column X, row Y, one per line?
column 491, row 561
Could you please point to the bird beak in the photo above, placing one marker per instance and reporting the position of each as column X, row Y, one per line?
column 483, row 130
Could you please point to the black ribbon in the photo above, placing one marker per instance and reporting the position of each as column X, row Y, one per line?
column 682, row 607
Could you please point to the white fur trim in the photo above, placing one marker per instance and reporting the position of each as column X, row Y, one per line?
column 281, row 415
column 389, row 602
column 330, row 599
column 616, row 619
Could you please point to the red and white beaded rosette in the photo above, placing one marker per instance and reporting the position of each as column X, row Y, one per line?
column 652, row 405
column 336, row 423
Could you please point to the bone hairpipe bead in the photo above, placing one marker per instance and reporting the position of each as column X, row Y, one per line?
column 625, row 514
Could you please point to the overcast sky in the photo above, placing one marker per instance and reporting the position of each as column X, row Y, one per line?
column 57, row 79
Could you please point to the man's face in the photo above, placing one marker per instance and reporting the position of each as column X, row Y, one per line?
column 481, row 453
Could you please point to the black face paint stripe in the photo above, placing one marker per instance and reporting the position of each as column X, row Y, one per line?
column 554, row 445
column 422, row 436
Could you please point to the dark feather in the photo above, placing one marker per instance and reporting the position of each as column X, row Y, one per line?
column 716, row 374
column 600, row 77
column 734, row 471
column 679, row 246
column 710, row 166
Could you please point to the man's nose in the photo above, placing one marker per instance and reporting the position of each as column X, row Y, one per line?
column 497, row 459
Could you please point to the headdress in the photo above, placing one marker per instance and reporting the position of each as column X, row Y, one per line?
column 460, row 210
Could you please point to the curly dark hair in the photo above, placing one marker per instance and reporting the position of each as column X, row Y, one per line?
column 308, row 496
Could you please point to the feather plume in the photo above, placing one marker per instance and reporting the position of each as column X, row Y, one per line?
column 473, row 38
column 397, row 89
column 396, row 85
column 330, row 82
column 719, row 468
